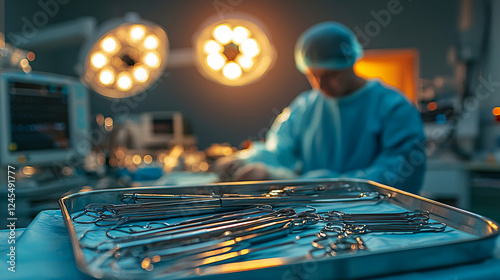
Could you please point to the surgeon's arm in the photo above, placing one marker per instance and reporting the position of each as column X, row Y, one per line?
column 278, row 156
column 401, row 163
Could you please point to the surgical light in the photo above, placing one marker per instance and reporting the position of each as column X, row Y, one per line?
column 106, row 77
column 141, row 74
column 216, row 61
column 98, row 60
column 233, row 51
column 223, row 33
column 232, row 70
column 124, row 81
column 137, row 32
column 127, row 56
column 212, row 47
column 151, row 42
column 151, row 60
column 109, row 44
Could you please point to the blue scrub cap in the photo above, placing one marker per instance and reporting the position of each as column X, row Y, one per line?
column 327, row 45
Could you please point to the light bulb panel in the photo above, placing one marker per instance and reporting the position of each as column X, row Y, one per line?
column 126, row 59
column 234, row 51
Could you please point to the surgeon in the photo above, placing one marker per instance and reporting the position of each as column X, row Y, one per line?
column 345, row 126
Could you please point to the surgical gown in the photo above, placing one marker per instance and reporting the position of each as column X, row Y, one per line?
column 374, row 133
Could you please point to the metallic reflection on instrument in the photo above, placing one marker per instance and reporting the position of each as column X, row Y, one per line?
column 150, row 249
column 243, row 223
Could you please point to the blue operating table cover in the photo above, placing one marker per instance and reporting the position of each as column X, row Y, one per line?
column 44, row 250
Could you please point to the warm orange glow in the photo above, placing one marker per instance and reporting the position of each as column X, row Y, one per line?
column 99, row 119
column 220, row 258
column 243, row 266
column 108, row 121
column 152, row 60
column 204, row 166
column 398, row 68
column 106, row 77
column 496, row 111
column 145, row 263
column 136, row 159
column 212, row 46
column 29, row 170
column 240, row 33
column 432, row 106
column 250, row 47
column 124, row 81
column 223, row 33
column 148, row 159
column 30, row 56
column 119, row 154
column 232, row 71
column 128, row 160
column 109, row 44
column 493, row 225
column 209, row 254
column 137, row 32
column 24, row 63
column 98, row 60
column 151, row 42
column 141, row 74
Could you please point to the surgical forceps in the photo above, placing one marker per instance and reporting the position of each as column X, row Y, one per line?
column 225, row 249
column 240, row 200
column 162, row 206
column 225, row 216
column 354, row 229
column 102, row 214
column 193, row 232
column 333, row 216
column 313, row 190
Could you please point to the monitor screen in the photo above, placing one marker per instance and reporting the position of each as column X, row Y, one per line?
column 163, row 126
column 39, row 117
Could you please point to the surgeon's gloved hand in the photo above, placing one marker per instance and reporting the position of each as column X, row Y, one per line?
column 226, row 167
column 252, row 172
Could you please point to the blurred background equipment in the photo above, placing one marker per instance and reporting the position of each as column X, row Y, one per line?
column 155, row 130
column 44, row 135
column 14, row 58
column 453, row 81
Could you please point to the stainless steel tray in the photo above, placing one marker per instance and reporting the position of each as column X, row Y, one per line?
column 363, row 264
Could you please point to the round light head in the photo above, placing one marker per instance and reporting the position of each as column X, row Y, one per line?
column 126, row 58
column 234, row 51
